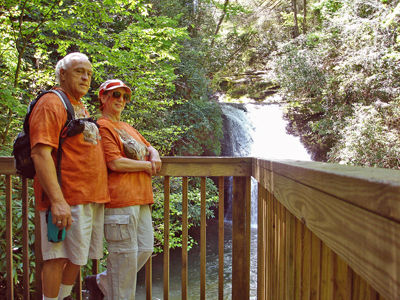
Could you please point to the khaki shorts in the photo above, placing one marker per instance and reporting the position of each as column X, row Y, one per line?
column 83, row 240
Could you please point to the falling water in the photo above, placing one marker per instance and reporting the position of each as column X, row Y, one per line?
column 257, row 130
column 250, row 130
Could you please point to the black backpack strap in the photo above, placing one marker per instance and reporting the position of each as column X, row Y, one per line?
column 70, row 116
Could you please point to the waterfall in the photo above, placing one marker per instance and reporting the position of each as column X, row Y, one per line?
column 256, row 130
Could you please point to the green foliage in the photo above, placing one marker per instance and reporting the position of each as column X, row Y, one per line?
column 201, row 128
column 122, row 39
column 370, row 137
column 16, row 237
column 328, row 73
column 175, row 214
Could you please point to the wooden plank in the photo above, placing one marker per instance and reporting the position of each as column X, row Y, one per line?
column 298, row 261
column 282, row 253
column 261, row 243
column 38, row 256
column 274, row 249
column 290, row 253
column 279, row 275
column 326, row 273
column 205, row 166
column 360, row 288
column 367, row 242
column 7, row 165
column 25, row 238
column 166, row 236
column 270, row 245
column 340, row 278
column 240, row 287
column 306, row 264
column 148, row 280
column 78, row 285
column 9, row 244
column 375, row 189
column 184, row 238
column 316, row 245
column 221, row 238
column 248, row 233
column 95, row 266
column 203, row 242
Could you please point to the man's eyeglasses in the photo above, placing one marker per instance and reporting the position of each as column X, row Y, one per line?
column 117, row 95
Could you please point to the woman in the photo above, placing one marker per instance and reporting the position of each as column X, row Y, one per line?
column 131, row 161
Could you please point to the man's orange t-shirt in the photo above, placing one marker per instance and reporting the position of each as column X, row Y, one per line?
column 83, row 167
column 126, row 188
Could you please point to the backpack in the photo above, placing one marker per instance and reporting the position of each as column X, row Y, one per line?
column 22, row 144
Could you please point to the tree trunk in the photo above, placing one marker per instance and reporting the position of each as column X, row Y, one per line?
column 296, row 25
column 220, row 22
column 304, row 16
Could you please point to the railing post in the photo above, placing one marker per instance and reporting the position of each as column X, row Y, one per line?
column 9, row 253
column 240, row 261
column 166, row 236
column 25, row 237
column 38, row 256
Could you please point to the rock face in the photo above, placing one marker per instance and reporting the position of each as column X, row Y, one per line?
column 254, row 84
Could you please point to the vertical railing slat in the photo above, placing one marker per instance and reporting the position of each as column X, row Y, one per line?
column 306, row 264
column 298, row 259
column 221, row 238
column 203, row 244
column 315, row 293
column 38, row 256
column 270, row 245
column 25, row 238
column 9, row 244
column 149, row 276
column 261, row 240
column 184, row 238
column 289, row 254
column 166, row 236
column 240, row 283
column 78, row 285
column 248, row 232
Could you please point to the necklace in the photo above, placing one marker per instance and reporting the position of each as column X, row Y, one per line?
column 110, row 119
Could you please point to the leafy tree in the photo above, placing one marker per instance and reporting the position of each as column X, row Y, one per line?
column 352, row 60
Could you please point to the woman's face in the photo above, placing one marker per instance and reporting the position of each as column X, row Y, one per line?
column 113, row 104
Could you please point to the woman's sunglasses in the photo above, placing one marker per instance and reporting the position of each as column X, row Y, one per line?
column 117, row 95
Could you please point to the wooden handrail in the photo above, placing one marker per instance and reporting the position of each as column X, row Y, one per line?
column 325, row 231
column 355, row 211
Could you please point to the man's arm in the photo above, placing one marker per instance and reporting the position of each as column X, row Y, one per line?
column 47, row 175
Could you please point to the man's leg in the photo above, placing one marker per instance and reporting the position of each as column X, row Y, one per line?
column 56, row 271
column 51, row 276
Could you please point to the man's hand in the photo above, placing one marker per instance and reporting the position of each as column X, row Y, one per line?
column 61, row 213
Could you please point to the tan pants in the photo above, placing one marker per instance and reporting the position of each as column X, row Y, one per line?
column 129, row 234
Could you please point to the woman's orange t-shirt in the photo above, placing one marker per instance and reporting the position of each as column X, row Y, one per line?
column 119, row 140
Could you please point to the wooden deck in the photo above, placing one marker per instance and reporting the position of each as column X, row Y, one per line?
column 325, row 231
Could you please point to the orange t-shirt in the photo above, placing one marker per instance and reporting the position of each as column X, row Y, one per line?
column 83, row 167
column 126, row 188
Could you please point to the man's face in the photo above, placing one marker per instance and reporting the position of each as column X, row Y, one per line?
column 76, row 79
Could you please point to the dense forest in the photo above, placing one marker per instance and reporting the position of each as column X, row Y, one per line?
column 335, row 63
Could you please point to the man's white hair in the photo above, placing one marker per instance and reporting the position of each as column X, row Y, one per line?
column 65, row 63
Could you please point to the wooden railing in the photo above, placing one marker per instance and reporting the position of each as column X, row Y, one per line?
column 325, row 231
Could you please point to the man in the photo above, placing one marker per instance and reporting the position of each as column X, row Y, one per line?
column 78, row 204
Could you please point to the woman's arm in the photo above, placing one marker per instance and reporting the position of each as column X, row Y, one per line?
column 124, row 164
column 155, row 159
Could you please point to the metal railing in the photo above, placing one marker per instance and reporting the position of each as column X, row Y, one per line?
column 325, row 231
